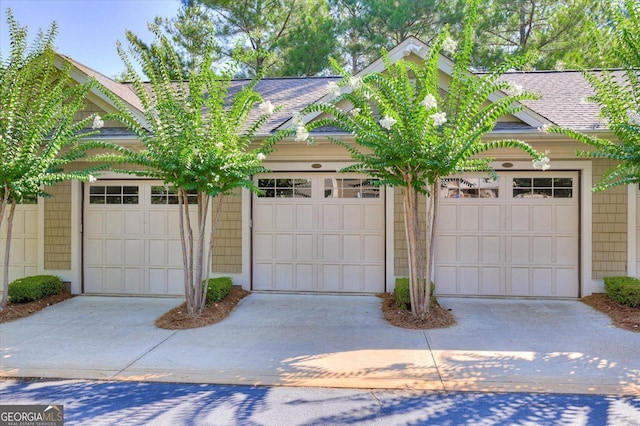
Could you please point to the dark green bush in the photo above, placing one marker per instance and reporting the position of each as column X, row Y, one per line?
column 403, row 295
column 33, row 288
column 218, row 289
column 624, row 290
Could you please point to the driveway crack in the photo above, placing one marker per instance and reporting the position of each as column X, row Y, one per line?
column 433, row 358
column 126, row 367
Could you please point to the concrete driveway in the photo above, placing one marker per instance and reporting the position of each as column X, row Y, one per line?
column 330, row 341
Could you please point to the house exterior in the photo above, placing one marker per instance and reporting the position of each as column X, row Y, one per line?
column 314, row 229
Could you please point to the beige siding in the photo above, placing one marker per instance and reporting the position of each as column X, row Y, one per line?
column 609, row 226
column 227, row 244
column 57, row 227
column 401, row 268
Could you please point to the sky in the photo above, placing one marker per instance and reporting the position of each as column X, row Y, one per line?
column 87, row 29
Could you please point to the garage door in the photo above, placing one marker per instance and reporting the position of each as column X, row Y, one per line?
column 517, row 236
column 24, row 242
column 132, row 239
column 318, row 233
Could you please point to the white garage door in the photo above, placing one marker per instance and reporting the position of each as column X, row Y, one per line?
column 318, row 233
column 24, row 242
column 132, row 239
column 518, row 236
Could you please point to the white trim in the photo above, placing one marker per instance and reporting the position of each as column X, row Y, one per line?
column 390, row 279
column 632, row 255
column 40, row 242
column 77, row 213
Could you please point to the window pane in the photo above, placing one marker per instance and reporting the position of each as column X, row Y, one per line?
column 114, row 200
column 157, row 199
column 521, row 193
column 542, row 193
column 563, row 193
column 563, row 182
column 130, row 190
column 521, row 182
column 130, row 199
column 284, row 183
column 96, row 190
column 114, row 190
column 96, row 199
column 542, row 182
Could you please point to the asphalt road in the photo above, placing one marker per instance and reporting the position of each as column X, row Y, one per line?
column 136, row 403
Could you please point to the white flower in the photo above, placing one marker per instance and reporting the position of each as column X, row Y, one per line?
column 513, row 89
column 634, row 118
column 297, row 119
column 387, row 122
column 354, row 111
column 266, row 107
column 560, row 65
column 439, row 118
column 355, row 82
column 545, row 128
column 261, row 156
column 333, row 88
column 92, row 179
column 429, row 101
column 97, row 123
column 301, row 134
column 449, row 45
column 541, row 163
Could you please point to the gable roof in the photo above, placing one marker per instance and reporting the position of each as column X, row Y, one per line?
column 561, row 102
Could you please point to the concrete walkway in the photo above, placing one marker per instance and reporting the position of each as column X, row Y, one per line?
column 330, row 341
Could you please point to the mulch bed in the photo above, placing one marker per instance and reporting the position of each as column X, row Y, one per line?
column 621, row 316
column 179, row 319
column 439, row 317
column 14, row 311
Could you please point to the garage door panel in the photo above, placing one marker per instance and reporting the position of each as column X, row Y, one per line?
column 566, row 220
column 566, row 282
column 352, row 245
column 446, row 279
column 542, row 250
column 565, row 252
column 304, row 216
column 373, row 216
column 519, row 218
column 263, row 246
column 373, row 248
column 263, row 216
column 134, row 281
column 93, row 279
column 469, row 249
column 284, row 279
column 470, row 280
column 544, row 282
column 447, row 218
column 519, row 249
column 133, row 252
column 543, row 218
column 330, row 277
column 447, row 248
column 285, row 217
column 263, row 276
column 490, row 249
column 491, row 279
column 469, row 218
column 114, row 222
column 284, row 247
column 157, row 252
column 304, row 276
column 491, row 218
column 304, row 247
column 331, row 216
column 158, row 222
column 113, row 250
column 331, row 247
column 519, row 282
column 351, row 276
column 175, row 281
column 113, row 280
column 353, row 218
column 94, row 223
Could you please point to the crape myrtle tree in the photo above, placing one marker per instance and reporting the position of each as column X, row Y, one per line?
column 39, row 134
column 618, row 94
column 196, row 138
column 409, row 134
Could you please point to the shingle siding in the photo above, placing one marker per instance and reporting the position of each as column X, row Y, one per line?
column 401, row 265
column 227, row 243
column 609, row 220
column 57, row 227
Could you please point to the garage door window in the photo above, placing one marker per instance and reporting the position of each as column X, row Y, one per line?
column 284, row 188
column 169, row 195
column 350, row 188
column 114, row 194
column 542, row 187
column 469, row 188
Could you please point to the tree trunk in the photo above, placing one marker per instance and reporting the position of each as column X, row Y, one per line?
column 420, row 257
column 7, row 252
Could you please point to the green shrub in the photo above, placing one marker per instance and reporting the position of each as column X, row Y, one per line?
column 403, row 295
column 33, row 288
column 218, row 289
column 624, row 290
